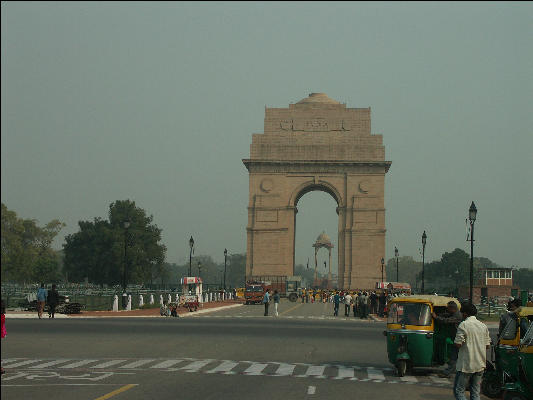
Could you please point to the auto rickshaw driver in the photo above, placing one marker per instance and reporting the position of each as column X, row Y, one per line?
column 450, row 320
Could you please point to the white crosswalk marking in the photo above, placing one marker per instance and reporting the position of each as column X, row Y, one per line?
column 7, row 361
column 166, row 364
column 21, row 363
column 436, row 379
column 195, row 365
column 49, row 364
column 226, row 366
column 285, row 369
column 315, row 370
column 136, row 364
column 255, row 369
column 78, row 364
column 409, row 378
column 345, row 372
column 108, row 364
column 375, row 374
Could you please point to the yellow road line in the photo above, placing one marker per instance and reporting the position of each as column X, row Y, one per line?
column 115, row 392
column 290, row 309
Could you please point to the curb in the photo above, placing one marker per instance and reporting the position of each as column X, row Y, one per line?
column 188, row 314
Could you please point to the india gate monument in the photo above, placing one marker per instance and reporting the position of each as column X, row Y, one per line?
column 317, row 144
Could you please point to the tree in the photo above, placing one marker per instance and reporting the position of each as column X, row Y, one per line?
column 27, row 255
column 408, row 269
column 523, row 277
column 104, row 250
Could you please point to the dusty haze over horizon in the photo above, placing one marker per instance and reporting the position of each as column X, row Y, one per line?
column 157, row 103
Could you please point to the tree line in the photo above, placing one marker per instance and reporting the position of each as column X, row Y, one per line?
column 127, row 246
column 450, row 272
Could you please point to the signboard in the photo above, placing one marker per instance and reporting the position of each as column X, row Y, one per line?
column 190, row 280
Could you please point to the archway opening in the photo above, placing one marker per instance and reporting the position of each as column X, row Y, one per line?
column 317, row 214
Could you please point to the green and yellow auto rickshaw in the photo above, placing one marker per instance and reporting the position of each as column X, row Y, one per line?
column 504, row 367
column 522, row 387
column 414, row 339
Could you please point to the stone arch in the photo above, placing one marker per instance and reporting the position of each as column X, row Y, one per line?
column 312, row 186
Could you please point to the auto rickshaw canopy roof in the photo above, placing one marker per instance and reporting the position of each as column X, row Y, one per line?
column 437, row 301
column 524, row 311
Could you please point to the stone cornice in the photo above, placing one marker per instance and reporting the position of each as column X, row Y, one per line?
column 335, row 166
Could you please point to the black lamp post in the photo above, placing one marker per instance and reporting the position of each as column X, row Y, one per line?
column 424, row 238
column 191, row 245
column 124, row 276
column 472, row 212
column 225, row 262
column 382, row 264
column 396, row 254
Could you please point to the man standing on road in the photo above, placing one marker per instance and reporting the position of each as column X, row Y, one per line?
column 363, row 305
column 52, row 300
column 41, row 298
column 266, row 301
column 451, row 319
column 276, row 301
column 472, row 340
column 336, row 302
column 347, row 304
column 382, row 303
column 512, row 306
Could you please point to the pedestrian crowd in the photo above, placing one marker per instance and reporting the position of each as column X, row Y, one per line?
column 360, row 303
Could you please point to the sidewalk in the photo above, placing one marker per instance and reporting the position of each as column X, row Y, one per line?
column 140, row 313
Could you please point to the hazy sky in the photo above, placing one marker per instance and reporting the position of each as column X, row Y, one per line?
column 157, row 103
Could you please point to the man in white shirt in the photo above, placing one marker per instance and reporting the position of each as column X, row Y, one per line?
column 472, row 340
column 347, row 303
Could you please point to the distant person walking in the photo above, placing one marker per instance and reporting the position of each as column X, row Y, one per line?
column 266, row 301
column 382, row 303
column 363, row 305
column 336, row 302
column 276, row 298
column 472, row 340
column 41, row 299
column 4, row 332
column 53, row 300
column 347, row 304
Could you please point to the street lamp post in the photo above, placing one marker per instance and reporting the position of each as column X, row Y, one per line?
column 124, row 278
column 472, row 212
column 396, row 253
column 225, row 262
column 191, row 245
column 382, row 264
column 424, row 238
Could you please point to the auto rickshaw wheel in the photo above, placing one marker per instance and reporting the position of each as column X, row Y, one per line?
column 491, row 388
column 401, row 367
column 513, row 396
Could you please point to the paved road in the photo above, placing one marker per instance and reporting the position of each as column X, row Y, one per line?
column 236, row 353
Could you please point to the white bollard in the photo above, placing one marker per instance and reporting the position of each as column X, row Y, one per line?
column 141, row 301
column 151, row 298
column 177, row 298
column 160, row 299
column 115, row 303
column 169, row 298
column 128, row 307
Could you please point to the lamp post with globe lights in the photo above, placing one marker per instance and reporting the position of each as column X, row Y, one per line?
column 191, row 245
column 472, row 213
column 424, row 239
